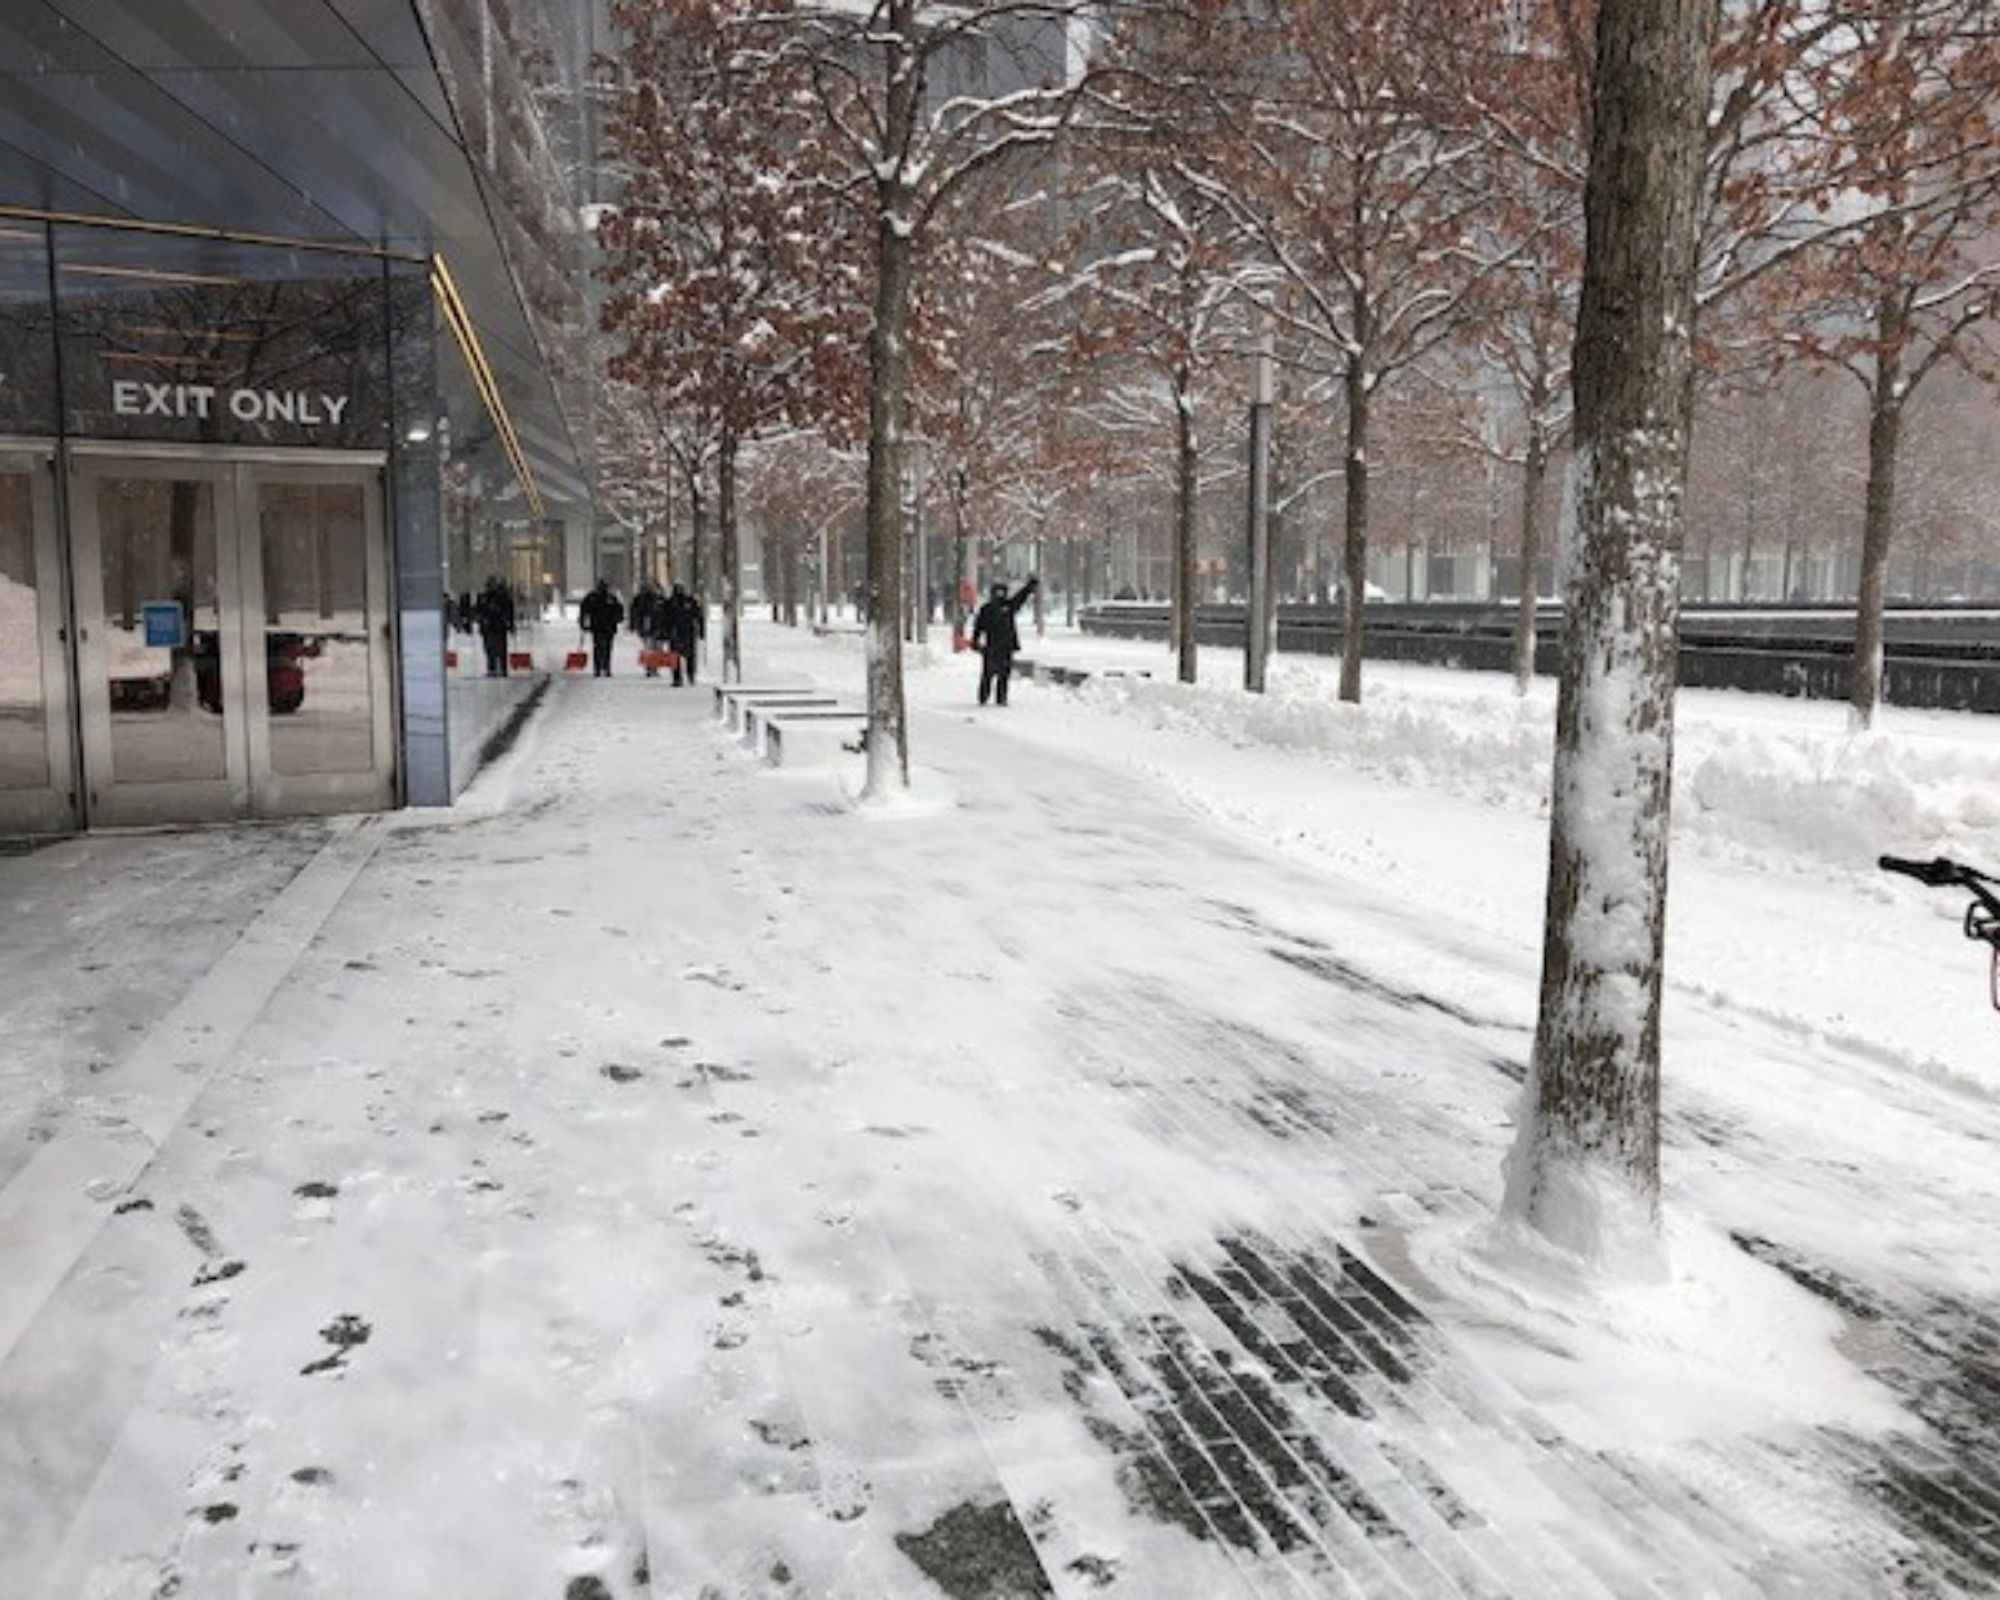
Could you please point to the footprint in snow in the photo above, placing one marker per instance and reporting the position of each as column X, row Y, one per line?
column 844, row 1493
column 346, row 1332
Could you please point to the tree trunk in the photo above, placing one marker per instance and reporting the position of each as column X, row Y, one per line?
column 1750, row 498
column 1885, row 434
column 697, row 532
column 961, row 549
column 1187, row 490
column 732, row 557
column 1584, row 1173
column 1354, row 552
column 669, row 503
column 1534, row 475
column 888, row 364
column 1041, row 613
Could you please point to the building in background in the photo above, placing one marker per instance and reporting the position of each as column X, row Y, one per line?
column 293, row 351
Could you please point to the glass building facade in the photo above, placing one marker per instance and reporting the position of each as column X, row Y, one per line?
column 293, row 354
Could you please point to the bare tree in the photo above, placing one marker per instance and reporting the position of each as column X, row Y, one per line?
column 1361, row 165
column 1584, row 1171
column 1907, row 135
column 913, row 102
column 636, row 463
column 725, row 279
column 1165, row 284
column 972, row 391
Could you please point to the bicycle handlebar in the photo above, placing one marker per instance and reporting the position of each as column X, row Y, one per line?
column 1982, row 917
column 1938, row 873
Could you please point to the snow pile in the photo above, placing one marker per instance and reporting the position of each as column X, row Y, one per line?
column 1840, row 798
column 1499, row 754
column 1928, row 783
column 1717, row 1347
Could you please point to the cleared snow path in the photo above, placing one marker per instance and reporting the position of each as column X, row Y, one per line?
column 660, row 1180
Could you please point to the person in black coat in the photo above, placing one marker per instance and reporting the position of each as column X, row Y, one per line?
column 649, row 618
column 600, row 616
column 685, row 625
column 996, row 638
column 494, row 612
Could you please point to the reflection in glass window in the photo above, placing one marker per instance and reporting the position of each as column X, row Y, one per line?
column 220, row 342
column 156, row 545
column 24, row 745
column 27, row 333
column 316, row 627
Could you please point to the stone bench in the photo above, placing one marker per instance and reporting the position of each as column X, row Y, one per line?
column 813, row 738
column 754, row 715
column 731, row 698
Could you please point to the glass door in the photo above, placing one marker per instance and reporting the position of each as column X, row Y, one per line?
column 159, row 641
column 37, row 759
column 315, row 568
column 233, row 640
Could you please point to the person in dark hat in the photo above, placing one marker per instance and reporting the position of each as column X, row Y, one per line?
column 494, row 612
column 685, row 623
column 600, row 616
column 997, row 639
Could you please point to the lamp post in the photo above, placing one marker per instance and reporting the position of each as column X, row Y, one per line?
column 1262, row 611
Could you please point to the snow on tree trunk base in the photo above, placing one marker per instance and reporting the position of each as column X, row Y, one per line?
column 1570, row 1215
column 1716, row 1344
column 888, row 769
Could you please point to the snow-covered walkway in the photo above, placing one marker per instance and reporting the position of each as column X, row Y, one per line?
column 659, row 1179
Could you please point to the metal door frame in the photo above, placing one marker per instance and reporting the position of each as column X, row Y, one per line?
column 108, row 801
column 249, row 788
column 273, row 794
column 53, row 808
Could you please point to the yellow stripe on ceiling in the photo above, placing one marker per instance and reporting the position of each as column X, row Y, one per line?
column 460, row 322
column 200, row 230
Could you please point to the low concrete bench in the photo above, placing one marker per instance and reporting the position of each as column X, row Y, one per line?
column 753, row 715
column 741, row 711
column 816, row 738
column 730, row 698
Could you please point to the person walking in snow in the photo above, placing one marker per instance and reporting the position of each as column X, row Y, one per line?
column 997, row 639
column 685, row 624
column 649, row 619
column 494, row 612
column 600, row 616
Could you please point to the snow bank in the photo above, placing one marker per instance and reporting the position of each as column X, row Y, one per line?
column 1502, row 755
column 1841, row 799
column 1925, row 783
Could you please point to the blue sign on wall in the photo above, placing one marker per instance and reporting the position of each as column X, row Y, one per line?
column 166, row 624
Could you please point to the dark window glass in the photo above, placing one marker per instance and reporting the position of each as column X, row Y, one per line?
column 27, row 332
column 202, row 341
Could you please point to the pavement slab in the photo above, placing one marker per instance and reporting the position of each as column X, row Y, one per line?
column 660, row 1179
